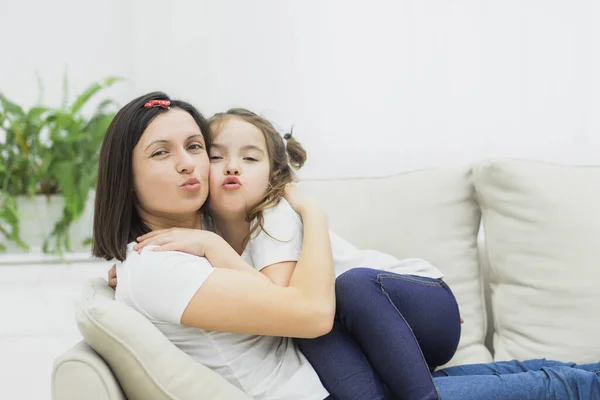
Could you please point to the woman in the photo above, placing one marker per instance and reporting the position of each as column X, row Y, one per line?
column 153, row 175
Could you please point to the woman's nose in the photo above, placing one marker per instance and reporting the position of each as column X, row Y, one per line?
column 186, row 164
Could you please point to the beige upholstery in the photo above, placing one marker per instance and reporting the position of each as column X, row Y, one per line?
column 80, row 373
column 432, row 214
column 542, row 228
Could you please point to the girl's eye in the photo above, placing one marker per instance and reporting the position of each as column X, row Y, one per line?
column 215, row 157
column 250, row 159
column 196, row 147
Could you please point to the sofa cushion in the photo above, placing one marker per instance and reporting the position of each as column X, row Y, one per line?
column 80, row 373
column 429, row 214
column 146, row 364
column 542, row 228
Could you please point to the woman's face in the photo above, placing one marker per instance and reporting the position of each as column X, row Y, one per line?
column 239, row 168
column 170, row 167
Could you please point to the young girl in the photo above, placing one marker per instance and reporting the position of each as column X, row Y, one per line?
column 416, row 326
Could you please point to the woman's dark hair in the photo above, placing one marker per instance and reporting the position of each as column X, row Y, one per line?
column 116, row 220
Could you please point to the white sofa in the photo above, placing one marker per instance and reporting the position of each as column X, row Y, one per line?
column 532, row 290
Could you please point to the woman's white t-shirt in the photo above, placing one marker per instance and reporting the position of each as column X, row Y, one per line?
column 161, row 284
column 281, row 240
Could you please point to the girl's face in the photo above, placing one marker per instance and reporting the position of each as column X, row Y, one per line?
column 170, row 167
column 239, row 168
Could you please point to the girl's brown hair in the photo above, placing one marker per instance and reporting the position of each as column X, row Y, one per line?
column 286, row 154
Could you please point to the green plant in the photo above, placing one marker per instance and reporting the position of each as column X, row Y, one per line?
column 50, row 151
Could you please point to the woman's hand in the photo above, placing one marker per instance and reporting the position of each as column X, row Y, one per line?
column 112, row 276
column 191, row 241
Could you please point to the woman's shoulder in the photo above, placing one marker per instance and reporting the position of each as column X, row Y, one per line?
column 160, row 284
column 148, row 258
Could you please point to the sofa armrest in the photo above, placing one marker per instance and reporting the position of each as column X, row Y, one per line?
column 80, row 373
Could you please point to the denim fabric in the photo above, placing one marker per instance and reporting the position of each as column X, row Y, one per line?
column 520, row 380
column 390, row 331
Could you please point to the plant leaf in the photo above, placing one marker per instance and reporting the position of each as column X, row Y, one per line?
column 9, row 107
column 94, row 88
column 51, row 151
column 65, row 88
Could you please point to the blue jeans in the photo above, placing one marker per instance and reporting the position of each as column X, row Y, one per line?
column 513, row 380
column 389, row 332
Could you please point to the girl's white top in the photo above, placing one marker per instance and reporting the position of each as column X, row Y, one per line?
column 281, row 240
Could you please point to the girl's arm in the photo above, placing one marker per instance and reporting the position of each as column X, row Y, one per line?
column 221, row 255
column 237, row 302
column 199, row 243
column 214, row 248
column 280, row 273
column 275, row 252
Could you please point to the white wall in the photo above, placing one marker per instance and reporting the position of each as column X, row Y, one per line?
column 371, row 87
column 91, row 40
column 386, row 86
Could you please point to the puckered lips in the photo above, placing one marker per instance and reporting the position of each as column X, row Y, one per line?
column 231, row 183
column 191, row 185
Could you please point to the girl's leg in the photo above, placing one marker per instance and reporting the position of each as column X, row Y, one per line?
column 341, row 366
column 389, row 316
column 431, row 310
column 548, row 383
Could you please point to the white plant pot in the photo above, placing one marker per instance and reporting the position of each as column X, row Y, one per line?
column 39, row 214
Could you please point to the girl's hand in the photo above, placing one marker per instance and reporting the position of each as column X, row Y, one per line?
column 191, row 241
column 297, row 200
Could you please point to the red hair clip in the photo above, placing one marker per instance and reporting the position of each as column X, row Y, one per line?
column 157, row 103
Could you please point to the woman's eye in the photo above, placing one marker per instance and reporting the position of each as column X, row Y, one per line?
column 195, row 147
column 215, row 157
column 158, row 153
column 250, row 159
